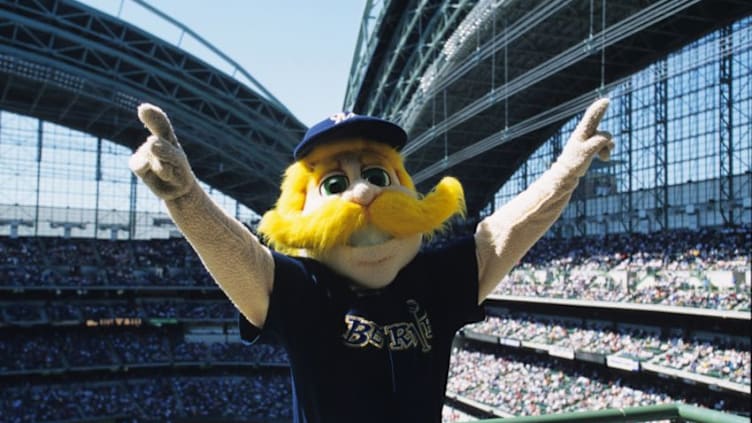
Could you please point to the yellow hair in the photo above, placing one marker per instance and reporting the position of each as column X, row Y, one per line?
column 289, row 231
column 401, row 215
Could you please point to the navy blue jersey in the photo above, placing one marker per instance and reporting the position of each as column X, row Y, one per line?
column 371, row 355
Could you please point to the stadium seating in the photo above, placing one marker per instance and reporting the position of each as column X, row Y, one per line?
column 98, row 312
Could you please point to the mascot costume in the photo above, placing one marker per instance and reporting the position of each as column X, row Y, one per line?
column 366, row 315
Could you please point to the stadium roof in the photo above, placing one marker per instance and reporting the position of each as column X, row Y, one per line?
column 479, row 85
column 73, row 65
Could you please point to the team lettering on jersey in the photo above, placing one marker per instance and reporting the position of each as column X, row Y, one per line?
column 362, row 333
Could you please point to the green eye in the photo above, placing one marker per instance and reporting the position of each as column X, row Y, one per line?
column 334, row 184
column 376, row 176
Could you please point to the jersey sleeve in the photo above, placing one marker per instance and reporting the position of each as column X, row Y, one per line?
column 454, row 282
column 291, row 297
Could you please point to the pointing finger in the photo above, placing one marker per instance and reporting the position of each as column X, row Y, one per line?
column 593, row 115
column 156, row 122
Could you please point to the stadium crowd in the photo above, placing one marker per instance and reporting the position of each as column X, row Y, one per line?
column 676, row 249
column 668, row 268
column 722, row 358
column 57, row 311
column 696, row 355
column 516, row 383
column 58, row 262
column 521, row 383
column 73, row 348
column 89, row 348
column 449, row 415
column 258, row 397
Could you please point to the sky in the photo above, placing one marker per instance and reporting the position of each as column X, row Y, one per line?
column 299, row 50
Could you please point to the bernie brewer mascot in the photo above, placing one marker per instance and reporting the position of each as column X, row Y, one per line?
column 366, row 316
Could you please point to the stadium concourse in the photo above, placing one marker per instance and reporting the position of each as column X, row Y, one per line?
column 639, row 295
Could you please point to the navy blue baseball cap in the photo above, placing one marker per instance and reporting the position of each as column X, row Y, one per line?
column 347, row 125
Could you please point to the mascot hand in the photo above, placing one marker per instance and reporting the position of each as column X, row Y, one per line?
column 587, row 141
column 160, row 162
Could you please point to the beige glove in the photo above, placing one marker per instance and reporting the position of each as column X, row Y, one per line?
column 160, row 162
column 237, row 261
column 586, row 141
column 504, row 237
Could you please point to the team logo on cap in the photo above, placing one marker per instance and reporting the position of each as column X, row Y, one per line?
column 340, row 117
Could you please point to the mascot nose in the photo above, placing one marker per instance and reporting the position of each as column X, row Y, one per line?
column 361, row 193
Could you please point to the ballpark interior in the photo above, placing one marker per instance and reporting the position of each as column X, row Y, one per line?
column 638, row 296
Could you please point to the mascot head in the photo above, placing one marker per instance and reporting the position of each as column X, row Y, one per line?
column 348, row 201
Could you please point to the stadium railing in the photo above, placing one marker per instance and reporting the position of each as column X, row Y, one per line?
column 673, row 412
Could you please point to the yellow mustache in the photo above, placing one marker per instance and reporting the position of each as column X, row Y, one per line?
column 394, row 212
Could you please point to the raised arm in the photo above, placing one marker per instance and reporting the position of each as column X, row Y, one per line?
column 504, row 237
column 240, row 265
